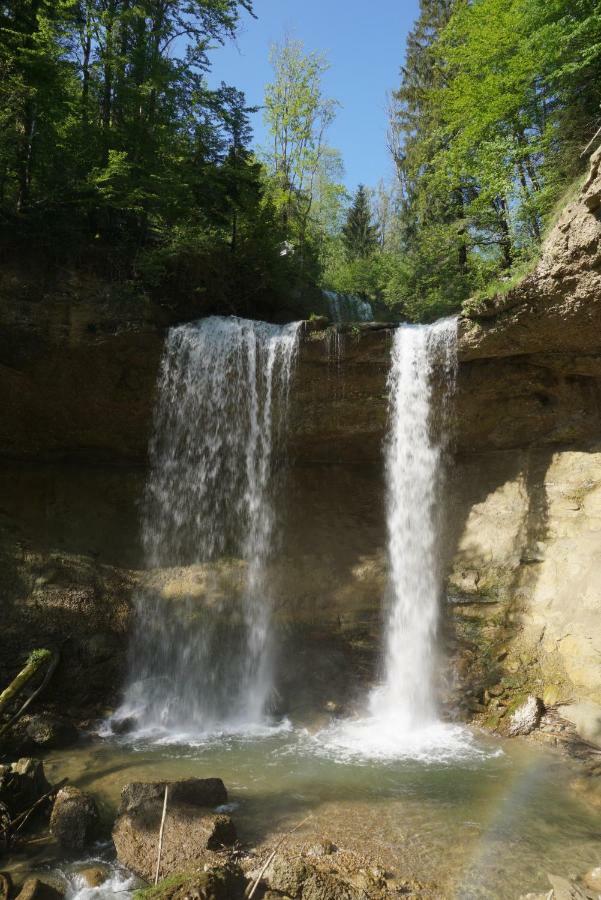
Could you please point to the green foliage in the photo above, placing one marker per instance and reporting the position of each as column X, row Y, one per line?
column 111, row 140
column 497, row 100
column 359, row 234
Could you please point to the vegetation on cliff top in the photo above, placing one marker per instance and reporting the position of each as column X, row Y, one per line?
column 114, row 152
column 497, row 100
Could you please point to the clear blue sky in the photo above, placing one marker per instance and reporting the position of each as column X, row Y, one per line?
column 364, row 42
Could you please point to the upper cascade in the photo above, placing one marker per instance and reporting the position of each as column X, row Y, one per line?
column 348, row 307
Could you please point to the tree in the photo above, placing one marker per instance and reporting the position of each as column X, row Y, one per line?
column 497, row 100
column 298, row 116
column 359, row 234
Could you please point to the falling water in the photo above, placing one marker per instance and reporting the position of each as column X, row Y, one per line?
column 402, row 717
column 219, row 422
column 348, row 307
column 421, row 381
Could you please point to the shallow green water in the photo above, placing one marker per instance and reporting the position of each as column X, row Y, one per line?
column 488, row 824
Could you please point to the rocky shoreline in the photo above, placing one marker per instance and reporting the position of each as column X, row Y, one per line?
column 181, row 835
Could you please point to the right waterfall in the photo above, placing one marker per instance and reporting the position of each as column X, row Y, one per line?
column 421, row 385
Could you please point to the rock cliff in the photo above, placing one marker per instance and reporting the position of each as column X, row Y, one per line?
column 77, row 380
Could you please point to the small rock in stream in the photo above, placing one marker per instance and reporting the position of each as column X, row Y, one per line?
column 93, row 876
column 34, row 889
column 526, row 718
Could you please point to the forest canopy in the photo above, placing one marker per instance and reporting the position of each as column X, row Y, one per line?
column 497, row 101
column 114, row 151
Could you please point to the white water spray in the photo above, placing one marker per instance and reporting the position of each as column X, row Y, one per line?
column 421, row 381
column 219, row 423
column 402, row 717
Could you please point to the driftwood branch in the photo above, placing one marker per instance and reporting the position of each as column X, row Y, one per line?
column 49, row 673
column 590, row 143
column 24, row 816
column 161, row 832
column 34, row 663
column 250, row 891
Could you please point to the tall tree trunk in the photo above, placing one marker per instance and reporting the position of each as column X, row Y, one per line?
column 24, row 156
column 533, row 218
column 505, row 243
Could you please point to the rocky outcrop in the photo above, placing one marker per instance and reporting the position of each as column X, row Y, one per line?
column 192, row 833
column 527, row 486
column 74, row 819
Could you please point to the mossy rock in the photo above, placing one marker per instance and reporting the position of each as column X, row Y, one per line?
column 223, row 882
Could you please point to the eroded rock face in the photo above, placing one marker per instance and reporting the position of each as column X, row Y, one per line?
column 192, row 831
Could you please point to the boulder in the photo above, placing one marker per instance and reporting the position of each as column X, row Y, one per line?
column 93, row 876
column 297, row 877
column 190, row 837
column 6, row 885
column 74, row 818
column 208, row 792
column 44, row 731
column 34, row 889
column 217, row 882
column 592, row 879
column 526, row 717
column 21, row 784
column 124, row 726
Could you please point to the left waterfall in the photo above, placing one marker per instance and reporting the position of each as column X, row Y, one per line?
column 200, row 665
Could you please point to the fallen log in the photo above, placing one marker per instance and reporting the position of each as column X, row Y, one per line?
column 36, row 660
column 49, row 673
column 24, row 816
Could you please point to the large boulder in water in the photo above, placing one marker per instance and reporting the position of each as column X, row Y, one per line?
column 192, row 831
column 74, row 818
column 193, row 791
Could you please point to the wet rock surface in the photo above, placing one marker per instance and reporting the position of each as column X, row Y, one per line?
column 207, row 792
column 36, row 889
column 74, row 819
column 43, row 731
column 192, row 834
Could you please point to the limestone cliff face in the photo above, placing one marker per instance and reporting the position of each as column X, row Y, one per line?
column 523, row 545
column 527, row 557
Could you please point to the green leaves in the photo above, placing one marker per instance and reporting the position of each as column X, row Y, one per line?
column 498, row 98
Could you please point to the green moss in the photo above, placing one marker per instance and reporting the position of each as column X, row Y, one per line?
column 165, row 887
column 38, row 656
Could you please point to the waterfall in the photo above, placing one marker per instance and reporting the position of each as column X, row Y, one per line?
column 402, row 716
column 348, row 307
column 421, row 382
column 218, row 434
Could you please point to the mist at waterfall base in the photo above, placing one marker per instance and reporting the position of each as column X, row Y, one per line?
column 200, row 673
column 211, row 494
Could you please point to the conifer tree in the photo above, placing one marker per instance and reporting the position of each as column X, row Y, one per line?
column 360, row 235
